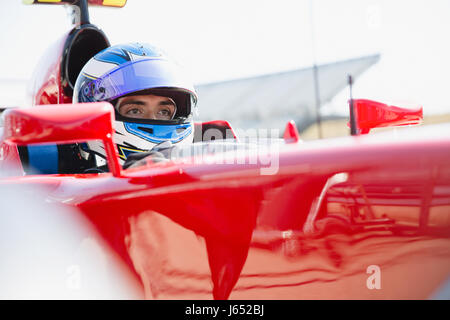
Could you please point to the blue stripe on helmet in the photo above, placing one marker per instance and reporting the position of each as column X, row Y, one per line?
column 173, row 133
column 121, row 53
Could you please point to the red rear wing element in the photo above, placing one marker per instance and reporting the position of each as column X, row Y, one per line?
column 64, row 123
column 371, row 114
column 291, row 133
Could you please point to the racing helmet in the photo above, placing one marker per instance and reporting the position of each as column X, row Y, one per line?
column 137, row 69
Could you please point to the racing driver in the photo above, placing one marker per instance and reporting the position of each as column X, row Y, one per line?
column 153, row 99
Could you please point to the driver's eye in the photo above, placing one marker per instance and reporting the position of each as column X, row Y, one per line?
column 165, row 113
column 133, row 111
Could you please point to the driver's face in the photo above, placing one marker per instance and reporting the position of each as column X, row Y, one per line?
column 147, row 107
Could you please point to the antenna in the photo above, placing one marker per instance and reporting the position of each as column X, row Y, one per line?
column 84, row 11
column 353, row 125
column 79, row 12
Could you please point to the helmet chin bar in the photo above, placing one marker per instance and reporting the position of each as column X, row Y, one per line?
column 137, row 136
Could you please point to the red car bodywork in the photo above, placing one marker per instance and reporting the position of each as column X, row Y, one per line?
column 333, row 208
column 313, row 229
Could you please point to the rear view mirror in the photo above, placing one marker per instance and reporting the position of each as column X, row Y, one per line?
column 371, row 114
column 64, row 123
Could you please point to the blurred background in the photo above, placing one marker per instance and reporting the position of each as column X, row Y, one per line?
column 259, row 63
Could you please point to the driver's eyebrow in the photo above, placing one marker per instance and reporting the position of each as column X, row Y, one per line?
column 166, row 102
column 138, row 102
column 141, row 103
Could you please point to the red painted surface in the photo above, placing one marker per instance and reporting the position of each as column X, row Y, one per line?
column 223, row 126
column 310, row 231
column 9, row 159
column 45, row 84
column 372, row 114
column 59, row 123
column 69, row 123
column 291, row 134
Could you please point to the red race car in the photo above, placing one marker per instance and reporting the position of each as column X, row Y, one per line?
column 357, row 217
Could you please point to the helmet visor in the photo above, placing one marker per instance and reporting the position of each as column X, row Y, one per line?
column 136, row 76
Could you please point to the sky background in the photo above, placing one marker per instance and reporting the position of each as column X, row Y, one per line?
column 221, row 40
